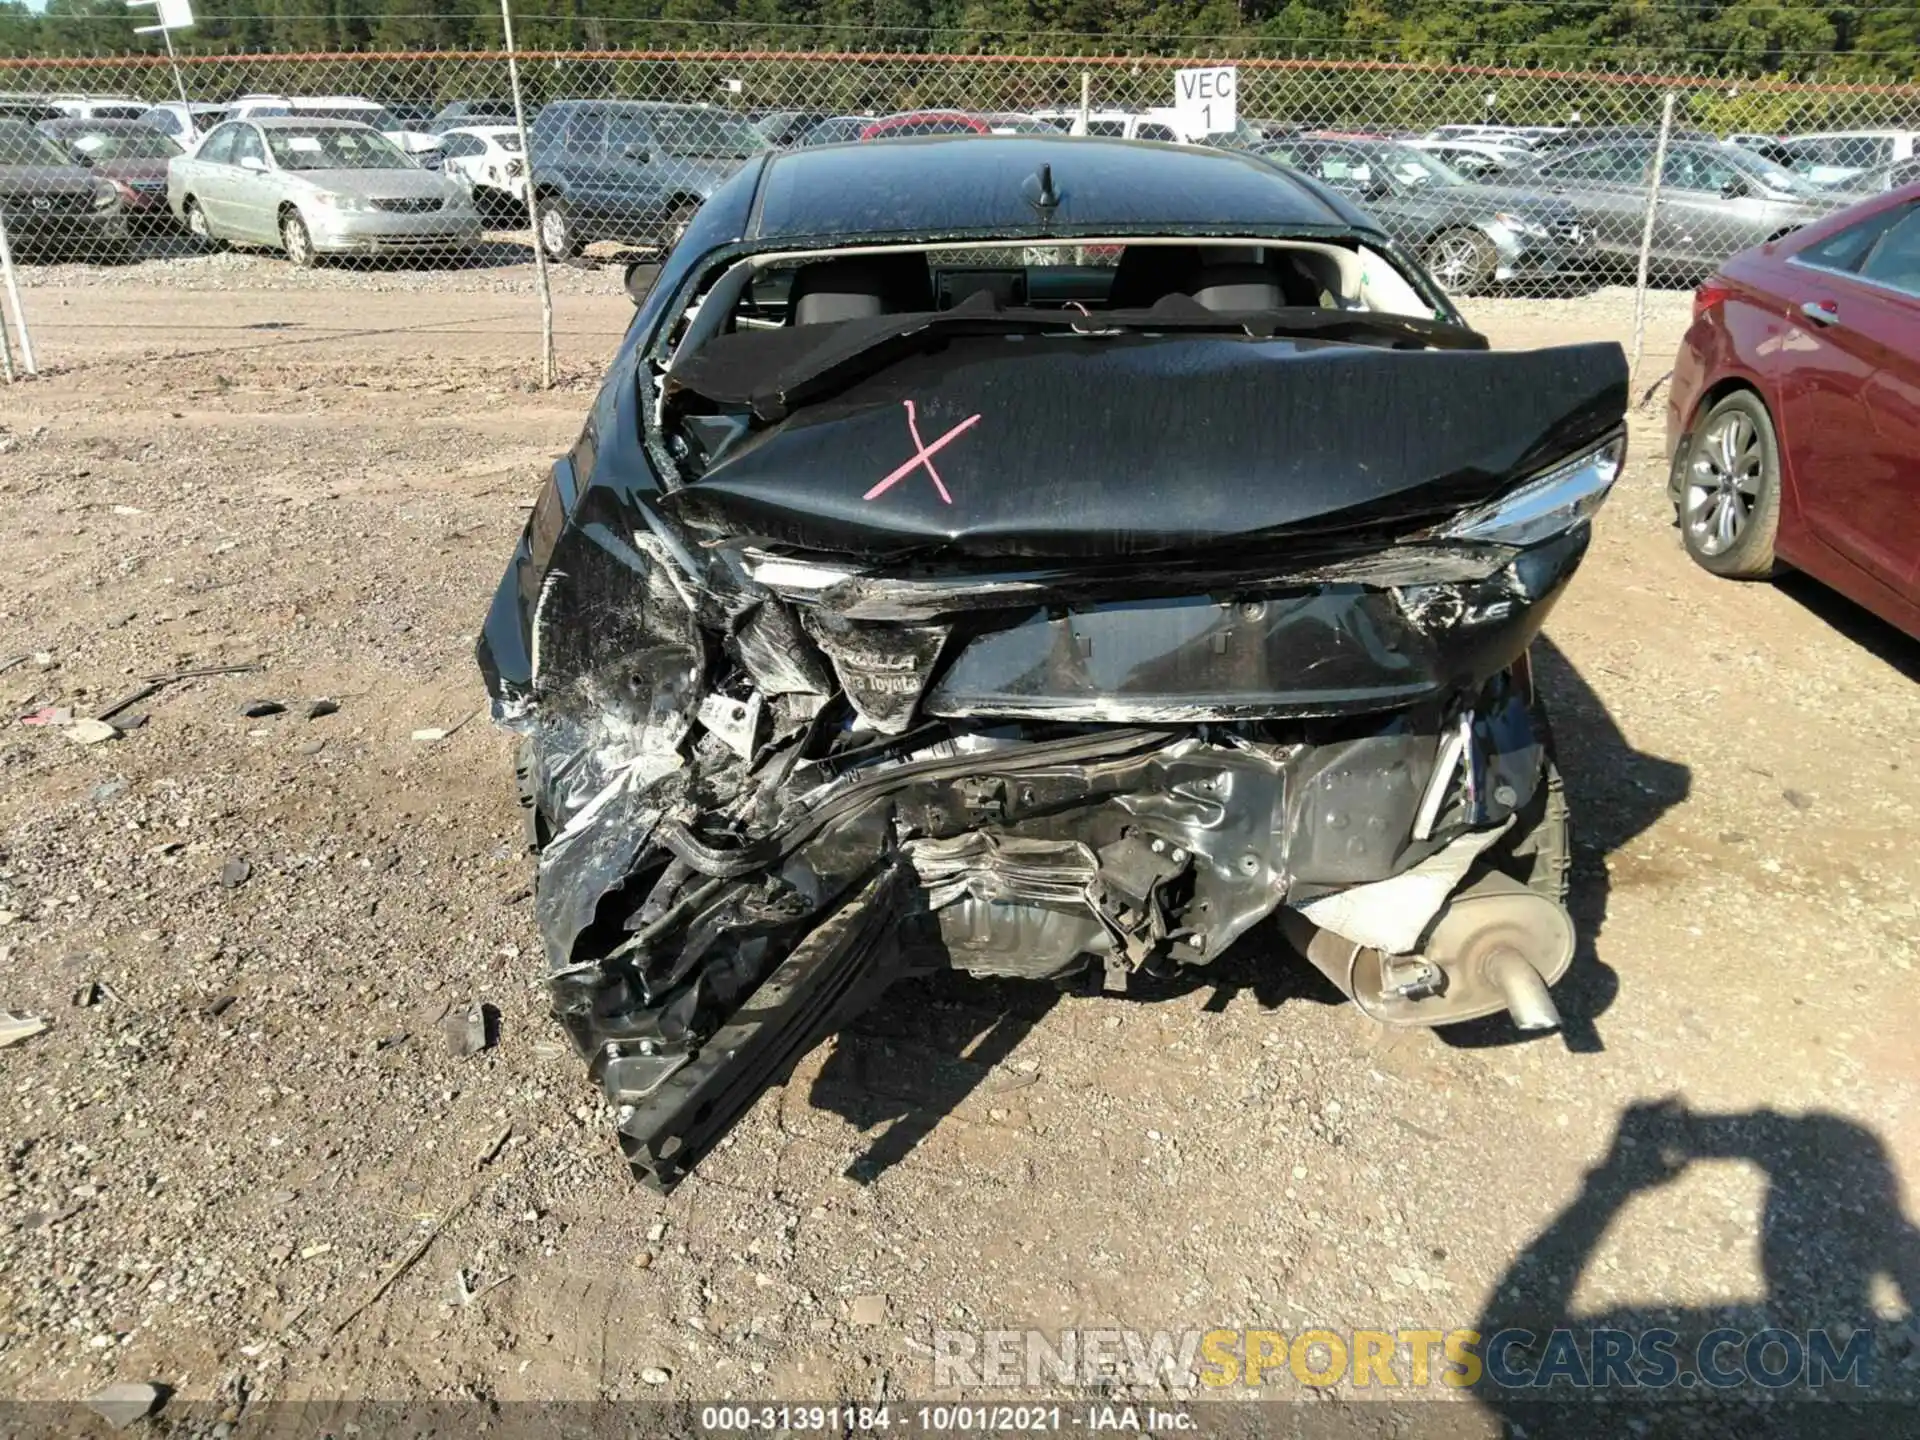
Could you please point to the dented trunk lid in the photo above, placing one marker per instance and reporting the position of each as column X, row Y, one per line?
column 1075, row 447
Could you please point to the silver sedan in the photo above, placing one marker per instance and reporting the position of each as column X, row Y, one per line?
column 318, row 187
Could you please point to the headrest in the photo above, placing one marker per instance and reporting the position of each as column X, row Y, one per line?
column 859, row 286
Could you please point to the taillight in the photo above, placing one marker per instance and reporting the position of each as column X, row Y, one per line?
column 1713, row 293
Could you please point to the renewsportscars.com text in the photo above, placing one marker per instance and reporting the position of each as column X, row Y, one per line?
column 1599, row 1358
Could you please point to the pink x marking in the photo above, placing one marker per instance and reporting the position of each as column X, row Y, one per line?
column 923, row 455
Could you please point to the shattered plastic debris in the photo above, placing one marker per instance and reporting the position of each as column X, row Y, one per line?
column 15, row 1028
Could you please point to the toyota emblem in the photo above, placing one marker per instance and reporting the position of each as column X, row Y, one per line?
column 41, row 202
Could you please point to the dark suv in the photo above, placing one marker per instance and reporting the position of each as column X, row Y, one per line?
column 630, row 170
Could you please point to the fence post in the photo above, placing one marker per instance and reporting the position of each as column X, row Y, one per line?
column 1086, row 100
column 533, row 205
column 1646, row 240
column 12, row 288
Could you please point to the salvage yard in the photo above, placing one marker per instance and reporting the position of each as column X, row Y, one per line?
column 252, row 936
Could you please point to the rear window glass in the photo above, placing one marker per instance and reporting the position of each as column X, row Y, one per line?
column 1845, row 250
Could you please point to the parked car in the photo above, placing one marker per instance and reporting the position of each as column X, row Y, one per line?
column 1108, row 124
column 129, row 154
column 1715, row 199
column 1877, row 180
column 53, row 207
column 1470, row 236
column 1576, row 137
column 99, row 107
column 953, row 122
column 337, row 107
column 1843, row 154
column 461, row 113
column 28, row 110
column 1791, row 420
column 868, row 642
column 630, row 170
column 318, row 188
column 413, row 116
column 1474, row 159
column 838, row 131
column 785, row 128
column 488, row 159
column 185, row 125
column 1513, row 137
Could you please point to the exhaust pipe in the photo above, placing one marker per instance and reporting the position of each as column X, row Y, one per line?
column 1528, row 1002
column 1495, row 945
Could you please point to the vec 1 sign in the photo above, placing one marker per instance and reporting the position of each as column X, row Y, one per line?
column 1205, row 102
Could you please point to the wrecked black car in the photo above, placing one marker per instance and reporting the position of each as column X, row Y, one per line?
column 1040, row 557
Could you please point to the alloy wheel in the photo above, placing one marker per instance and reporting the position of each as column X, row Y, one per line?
column 299, row 245
column 554, row 231
column 1724, row 483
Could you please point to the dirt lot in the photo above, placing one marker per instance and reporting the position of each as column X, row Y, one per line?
column 245, row 932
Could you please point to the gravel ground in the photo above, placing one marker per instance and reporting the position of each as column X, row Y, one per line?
column 248, row 933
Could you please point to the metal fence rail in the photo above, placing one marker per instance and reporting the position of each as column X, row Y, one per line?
column 1543, row 210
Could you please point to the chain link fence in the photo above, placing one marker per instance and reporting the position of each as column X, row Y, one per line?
column 1497, row 177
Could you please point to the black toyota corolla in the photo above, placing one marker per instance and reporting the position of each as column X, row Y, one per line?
column 1046, row 557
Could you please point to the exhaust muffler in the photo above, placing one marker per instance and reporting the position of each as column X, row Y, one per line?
column 1495, row 945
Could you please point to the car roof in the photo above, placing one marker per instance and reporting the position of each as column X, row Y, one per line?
column 302, row 122
column 980, row 184
column 105, row 122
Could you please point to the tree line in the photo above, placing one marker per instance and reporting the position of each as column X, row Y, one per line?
column 1736, row 37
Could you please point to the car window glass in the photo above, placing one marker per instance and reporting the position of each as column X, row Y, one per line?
column 1904, row 173
column 626, row 130
column 1154, row 131
column 1111, row 129
column 459, row 147
column 1894, row 260
column 1845, row 249
column 1608, row 164
column 133, row 143
column 1865, row 150
column 331, row 147
column 218, row 147
column 164, row 120
column 1697, row 170
column 587, row 132
column 247, row 146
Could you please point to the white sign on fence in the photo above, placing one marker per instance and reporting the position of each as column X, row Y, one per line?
column 1205, row 101
column 172, row 15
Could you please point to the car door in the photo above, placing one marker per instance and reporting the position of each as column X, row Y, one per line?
column 1849, row 392
column 639, row 174
column 1710, row 209
column 252, row 191
column 1607, row 185
column 582, row 167
column 209, row 178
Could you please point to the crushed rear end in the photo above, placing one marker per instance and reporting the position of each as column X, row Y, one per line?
column 996, row 644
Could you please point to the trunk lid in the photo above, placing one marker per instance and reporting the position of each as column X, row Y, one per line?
column 1069, row 447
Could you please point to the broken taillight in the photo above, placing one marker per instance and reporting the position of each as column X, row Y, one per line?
column 1710, row 294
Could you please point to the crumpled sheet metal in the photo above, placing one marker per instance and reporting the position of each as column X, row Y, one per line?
column 1392, row 915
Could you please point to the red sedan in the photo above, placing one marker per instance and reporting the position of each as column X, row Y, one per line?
column 1794, row 416
column 954, row 122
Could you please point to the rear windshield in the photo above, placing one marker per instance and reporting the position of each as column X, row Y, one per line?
column 332, row 147
column 21, row 144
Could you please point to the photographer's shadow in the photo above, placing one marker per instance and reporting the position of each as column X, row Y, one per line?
column 1834, row 1247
